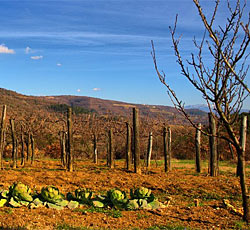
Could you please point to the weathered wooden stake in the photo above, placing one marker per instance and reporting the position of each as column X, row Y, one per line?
column 213, row 163
column 198, row 148
column 242, row 168
column 111, row 151
column 70, row 140
column 243, row 138
column 95, row 156
column 28, row 146
column 128, row 147
column 32, row 142
column 2, row 134
column 22, row 148
column 13, row 136
column 167, row 148
column 63, row 148
column 137, row 165
column 150, row 146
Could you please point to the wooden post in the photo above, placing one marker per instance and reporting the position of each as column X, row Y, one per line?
column 243, row 138
column 70, row 140
column 198, row 148
column 32, row 148
column 128, row 147
column 213, row 163
column 22, row 148
column 13, row 136
column 137, row 165
column 167, row 148
column 111, row 151
column 28, row 146
column 2, row 134
column 241, row 168
column 107, row 149
column 63, row 148
column 95, row 157
column 149, row 152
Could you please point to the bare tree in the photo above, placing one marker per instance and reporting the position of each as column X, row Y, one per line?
column 222, row 83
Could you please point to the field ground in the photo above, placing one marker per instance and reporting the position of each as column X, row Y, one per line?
column 182, row 184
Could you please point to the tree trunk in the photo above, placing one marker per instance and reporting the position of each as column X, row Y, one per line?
column 150, row 146
column 32, row 148
column 242, row 169
column 231, row 150
column 198, row 149
column 95, row 157
column 213, row 163
column 13, row 136
column 2, row 136
column 128, row 147
column 137, row 165
column 111, row 151
column 70, row 141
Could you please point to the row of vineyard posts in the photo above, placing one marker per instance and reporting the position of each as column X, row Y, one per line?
column 133, row 155
column 28, row 141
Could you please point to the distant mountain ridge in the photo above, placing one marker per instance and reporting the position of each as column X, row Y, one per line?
column 21, row 103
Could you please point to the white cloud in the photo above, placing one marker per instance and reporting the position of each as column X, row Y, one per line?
column 59, row 64
column 78, row 90
column 28, row 50
column 36, row 57
column 5, row 50
column 96, row 89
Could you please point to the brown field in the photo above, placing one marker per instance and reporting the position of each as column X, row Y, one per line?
column 182, row 184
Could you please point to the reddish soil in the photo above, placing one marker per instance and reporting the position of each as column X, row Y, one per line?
column 182, row 184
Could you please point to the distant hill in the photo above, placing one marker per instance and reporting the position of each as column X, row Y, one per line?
column 18, row 103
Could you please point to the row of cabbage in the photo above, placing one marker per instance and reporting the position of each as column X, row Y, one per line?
column 20, row 195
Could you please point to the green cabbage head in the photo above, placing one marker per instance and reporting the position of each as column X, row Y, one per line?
column 142, row 193
column 83, row 195
column 20, row 192
column 118, row 198
column 51, row 194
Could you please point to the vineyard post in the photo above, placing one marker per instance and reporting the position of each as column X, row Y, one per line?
column 95, row 156
column 213, row 163
column 28, row 146
column 111, row 151
column 70, row 140
column 149, row 152
column 128, row 147
column 137, row 165
column 169, row 147
column 243, row 138
column 22, row 148
column 107, row 149
column 32, row 148
column 13, row 136
column 165, row 149
column 63, row 148
column 198, row 148
column 2, row 134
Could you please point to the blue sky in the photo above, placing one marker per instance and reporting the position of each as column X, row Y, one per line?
column 97, row 48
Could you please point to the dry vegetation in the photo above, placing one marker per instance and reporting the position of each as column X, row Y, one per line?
column 182, row 184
